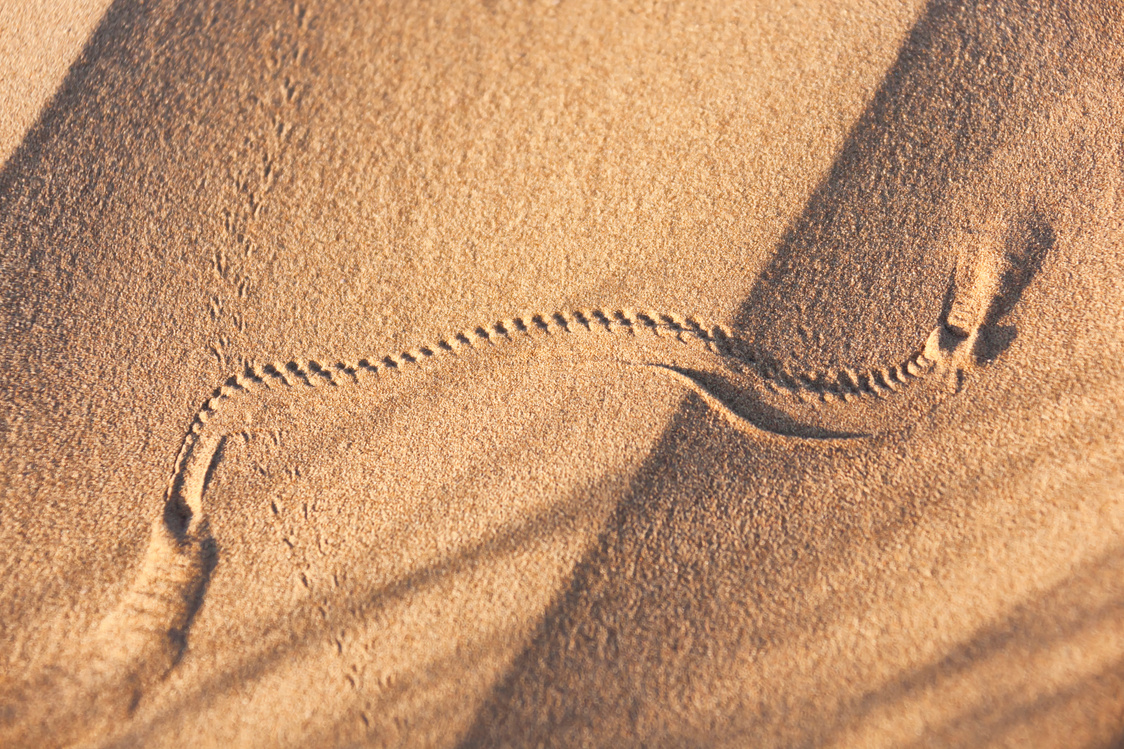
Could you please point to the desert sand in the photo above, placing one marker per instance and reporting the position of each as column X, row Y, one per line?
column 473, row 374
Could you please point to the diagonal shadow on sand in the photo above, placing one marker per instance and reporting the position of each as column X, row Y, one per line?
column 936, row 114
column 913, row 175
column 701, row 565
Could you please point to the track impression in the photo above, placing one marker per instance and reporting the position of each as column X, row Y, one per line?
column 144, row 636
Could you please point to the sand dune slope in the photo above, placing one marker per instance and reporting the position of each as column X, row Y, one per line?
column 784, row 408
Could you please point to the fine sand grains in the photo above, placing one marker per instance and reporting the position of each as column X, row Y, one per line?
column 866, row 493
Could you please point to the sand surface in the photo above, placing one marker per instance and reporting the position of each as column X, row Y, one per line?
column 39, row 39
column 565, row 374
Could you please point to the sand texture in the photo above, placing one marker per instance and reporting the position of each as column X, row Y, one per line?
column 476, row 373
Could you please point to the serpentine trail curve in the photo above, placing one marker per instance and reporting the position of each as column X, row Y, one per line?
column 143, row 637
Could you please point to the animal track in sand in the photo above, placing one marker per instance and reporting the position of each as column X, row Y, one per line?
column 144, row 636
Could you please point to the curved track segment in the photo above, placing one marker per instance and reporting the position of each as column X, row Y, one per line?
column 144, row 636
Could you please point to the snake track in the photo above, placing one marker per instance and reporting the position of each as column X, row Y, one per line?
column 143, row 637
